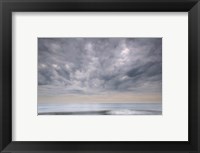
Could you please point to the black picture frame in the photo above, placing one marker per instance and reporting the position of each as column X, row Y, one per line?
column 9, row 6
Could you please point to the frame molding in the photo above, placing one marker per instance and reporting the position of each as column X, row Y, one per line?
column 9, row 6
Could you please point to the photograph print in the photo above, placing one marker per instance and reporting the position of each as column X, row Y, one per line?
column 99, row 76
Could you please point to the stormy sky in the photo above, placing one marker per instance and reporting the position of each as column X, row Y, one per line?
column 121, row 67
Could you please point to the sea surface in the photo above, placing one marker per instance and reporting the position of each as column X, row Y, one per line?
column 101, row 109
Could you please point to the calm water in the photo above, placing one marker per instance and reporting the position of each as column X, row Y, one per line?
column 101, row 109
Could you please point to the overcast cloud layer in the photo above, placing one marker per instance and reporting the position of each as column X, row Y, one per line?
column 99, row 65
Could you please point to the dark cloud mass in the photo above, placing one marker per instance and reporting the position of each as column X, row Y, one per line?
column 97, row 65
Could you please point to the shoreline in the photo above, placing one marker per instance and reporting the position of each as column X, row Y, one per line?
column 105, row 112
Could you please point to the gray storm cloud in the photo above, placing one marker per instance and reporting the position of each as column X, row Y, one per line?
column 98, row 65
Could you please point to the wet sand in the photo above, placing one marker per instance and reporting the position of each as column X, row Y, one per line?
column 105, row 112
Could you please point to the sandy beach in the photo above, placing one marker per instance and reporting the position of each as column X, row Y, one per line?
column 101, row 109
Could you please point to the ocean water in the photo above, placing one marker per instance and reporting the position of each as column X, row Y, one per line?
column 101, row 109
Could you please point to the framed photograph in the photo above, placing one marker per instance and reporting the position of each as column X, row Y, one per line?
column 99, row 76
